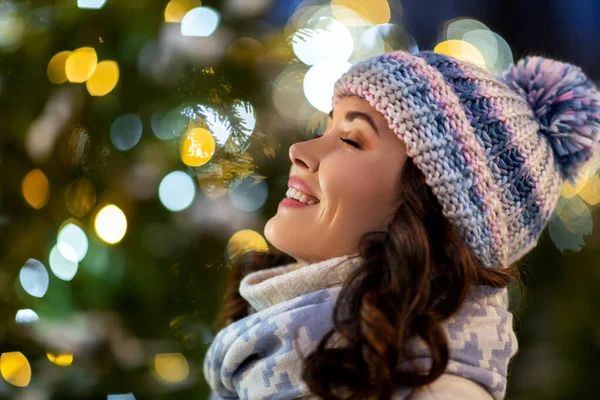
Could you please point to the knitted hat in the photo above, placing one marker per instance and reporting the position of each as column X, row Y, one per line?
column 495, row 150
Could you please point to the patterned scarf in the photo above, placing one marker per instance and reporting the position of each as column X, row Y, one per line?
column 257, row 357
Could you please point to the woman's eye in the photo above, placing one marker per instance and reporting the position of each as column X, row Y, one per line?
column 319, row 130
column 348, row 141
column 351, row 143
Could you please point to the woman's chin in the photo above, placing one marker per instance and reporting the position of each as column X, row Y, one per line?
column 279, row 234
column 271, row 231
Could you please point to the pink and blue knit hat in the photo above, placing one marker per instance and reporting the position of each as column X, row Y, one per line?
column 495, row 150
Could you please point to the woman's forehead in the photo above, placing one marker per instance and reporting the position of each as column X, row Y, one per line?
column 354, row 102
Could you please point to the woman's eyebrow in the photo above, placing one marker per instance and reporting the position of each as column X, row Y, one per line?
column 351, row 115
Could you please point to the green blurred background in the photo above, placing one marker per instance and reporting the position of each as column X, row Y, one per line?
column 144, row 144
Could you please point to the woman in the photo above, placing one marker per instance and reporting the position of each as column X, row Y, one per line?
column 393, row 264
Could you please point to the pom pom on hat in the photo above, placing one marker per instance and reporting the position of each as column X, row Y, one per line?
column 567, row 105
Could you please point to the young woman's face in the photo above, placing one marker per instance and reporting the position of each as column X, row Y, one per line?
column 356, row 187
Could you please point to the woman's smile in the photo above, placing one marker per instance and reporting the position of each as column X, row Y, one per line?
column 293, row 203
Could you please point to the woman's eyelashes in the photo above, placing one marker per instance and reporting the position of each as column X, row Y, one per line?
column 351, row 143
column 347, row 141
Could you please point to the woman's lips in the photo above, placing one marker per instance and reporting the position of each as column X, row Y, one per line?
column 293, row 203
column 299, row 184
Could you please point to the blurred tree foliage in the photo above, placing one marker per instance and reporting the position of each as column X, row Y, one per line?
column 158, row 289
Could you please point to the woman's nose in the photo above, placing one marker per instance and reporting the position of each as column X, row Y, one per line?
column 301, row 155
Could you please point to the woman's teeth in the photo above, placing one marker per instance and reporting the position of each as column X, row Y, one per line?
column 301, row 197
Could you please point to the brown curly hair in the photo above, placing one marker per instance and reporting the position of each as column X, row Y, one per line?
column 413, row 277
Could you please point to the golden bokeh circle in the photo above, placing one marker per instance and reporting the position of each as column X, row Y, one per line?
column 81, row 64
column 104, row 79
column 57, row 67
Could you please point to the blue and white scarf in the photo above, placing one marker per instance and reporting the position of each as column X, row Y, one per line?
column 257, row 357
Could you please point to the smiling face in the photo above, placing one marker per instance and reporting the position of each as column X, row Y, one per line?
column 356, row 186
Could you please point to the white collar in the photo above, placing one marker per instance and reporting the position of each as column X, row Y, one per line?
column 267, row 287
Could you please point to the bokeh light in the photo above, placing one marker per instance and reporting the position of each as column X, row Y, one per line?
column 570, row 221
column 197, row 147
column 80, row 197
column 104, row 79
column 36, row 189
column 382, row 39
column 247, row 9
column 126, row 131
column 314, row 123
column 485, row 41
column 493, row 48
column 574, row 214
column 63, row 261
column 246, row 52
column 15, row 368
column 168, row 124
column 26, row 316
column 110, row 224
column 456, row 28
column 460, row 50
column 244, row 241
column 34, row 278
column 590, row 193
column 308, row 21
column 176, row 191
column 12, row 26
column 249, row 195
column 91, row 4
column 200, row 21
column 374, row 11
column 356, row 22
column 81, row 64
column 176, row 9
column 124, row 396
column 62, row 359
column 172, row 367
column 72, row 237
column 505, row 56
column 319, row 82
column 301, row 15
column 563, row 238
column 568, row 190
column 288, row 93
column 56, row 67
column 322, row 38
